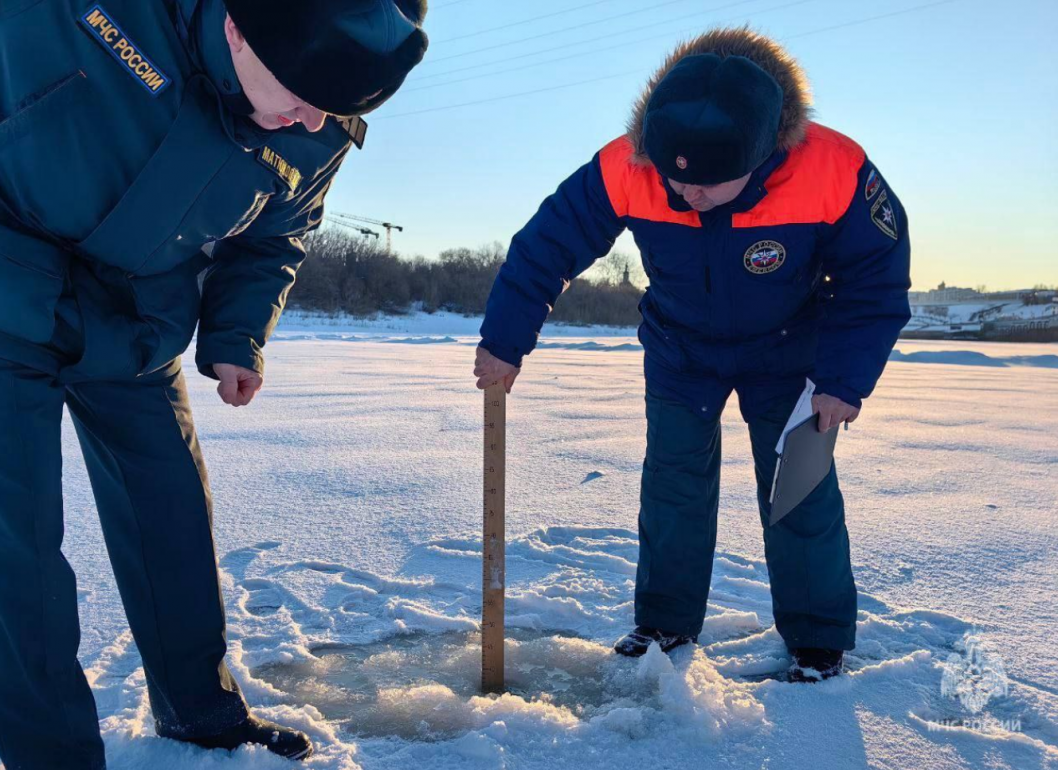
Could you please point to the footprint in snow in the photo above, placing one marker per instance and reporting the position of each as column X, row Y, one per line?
column 399, row 655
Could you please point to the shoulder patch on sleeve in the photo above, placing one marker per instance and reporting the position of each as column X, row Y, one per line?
column 873, row 185
column 356, row 128
column 102, row 28
column 883, row 214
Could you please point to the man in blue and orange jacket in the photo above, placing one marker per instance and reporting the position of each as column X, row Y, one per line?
column 775, row 251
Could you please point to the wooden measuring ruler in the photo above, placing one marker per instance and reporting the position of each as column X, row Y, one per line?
column 493, row 569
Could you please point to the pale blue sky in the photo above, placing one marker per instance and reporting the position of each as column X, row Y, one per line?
column 956, row 102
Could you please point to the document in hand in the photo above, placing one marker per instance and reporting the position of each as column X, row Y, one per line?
column 805, row 458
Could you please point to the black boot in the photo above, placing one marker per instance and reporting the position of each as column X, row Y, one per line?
column 638, row 642
column 814, row 664
column 284, row 741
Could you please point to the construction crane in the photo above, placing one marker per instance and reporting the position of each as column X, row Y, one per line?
column 390, row 227
column 358, row 228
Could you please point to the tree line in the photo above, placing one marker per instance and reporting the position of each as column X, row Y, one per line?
column 343, row 273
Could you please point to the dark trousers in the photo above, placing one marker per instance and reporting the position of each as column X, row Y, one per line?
column 153, row 498
column 812, row 588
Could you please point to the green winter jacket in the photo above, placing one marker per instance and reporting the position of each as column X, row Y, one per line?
column 124, row 152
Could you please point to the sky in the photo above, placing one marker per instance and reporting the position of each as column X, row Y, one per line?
column 956, row 102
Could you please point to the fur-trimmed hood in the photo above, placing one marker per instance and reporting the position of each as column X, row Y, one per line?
column 762, row 51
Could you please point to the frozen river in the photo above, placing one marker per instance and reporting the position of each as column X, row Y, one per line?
column 347, row 516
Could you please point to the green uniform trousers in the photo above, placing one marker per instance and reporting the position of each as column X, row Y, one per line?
column 153, row 499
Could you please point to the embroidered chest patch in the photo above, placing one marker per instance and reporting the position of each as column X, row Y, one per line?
column 275, row 162
column 764, row 257
column 130, row 56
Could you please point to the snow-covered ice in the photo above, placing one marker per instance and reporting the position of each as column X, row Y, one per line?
column 348, row 515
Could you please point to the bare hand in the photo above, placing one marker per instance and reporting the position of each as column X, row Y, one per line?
column 489, row 370
column 832, row 411
column 237, row 385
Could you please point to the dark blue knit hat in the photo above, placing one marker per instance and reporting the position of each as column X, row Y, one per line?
column 344, row 57
column 712, row 120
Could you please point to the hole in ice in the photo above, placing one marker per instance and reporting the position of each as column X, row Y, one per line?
column 420, row 686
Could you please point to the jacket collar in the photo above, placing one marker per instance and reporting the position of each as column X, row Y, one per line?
column 754, row 192
column 214, row 56
column 200, row 24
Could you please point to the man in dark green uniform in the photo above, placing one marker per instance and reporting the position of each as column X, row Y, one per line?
column 132, row 135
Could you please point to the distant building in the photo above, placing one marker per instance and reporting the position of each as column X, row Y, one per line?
column 1026, row 315
column 953, row 295
column 1009, row 296
column 943, row 295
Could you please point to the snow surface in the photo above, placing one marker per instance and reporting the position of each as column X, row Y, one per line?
column 347, row 518
column 419, row 323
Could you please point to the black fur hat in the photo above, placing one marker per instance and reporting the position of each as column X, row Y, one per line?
column 344, row 57
column 712, row 120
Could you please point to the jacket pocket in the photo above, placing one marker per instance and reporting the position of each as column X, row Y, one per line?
column 661, row 345
column 675, row 263
column 798, row 354
column 766, row 303
column 32, row 272
column 40, row 181
column 169, row 303
column 790, row 351
column 145, row 235
column 49, row 104
column 12, row 8
column 27, row 310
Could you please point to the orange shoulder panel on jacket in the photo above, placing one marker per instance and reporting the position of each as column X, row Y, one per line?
column 815, row 184
column 636, row 190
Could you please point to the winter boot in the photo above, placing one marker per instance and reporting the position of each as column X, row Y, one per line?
column 638, row 642
column 284, row 741
column 814, row 664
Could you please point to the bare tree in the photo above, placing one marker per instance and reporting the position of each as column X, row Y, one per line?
column 617, row 269
column 347, row 273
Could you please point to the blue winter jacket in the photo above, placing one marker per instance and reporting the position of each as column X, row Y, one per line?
column 805, row 273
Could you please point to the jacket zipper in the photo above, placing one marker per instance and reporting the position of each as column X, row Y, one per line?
column 708, row 280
